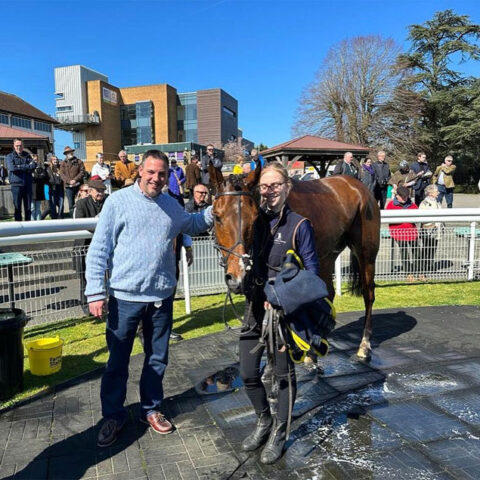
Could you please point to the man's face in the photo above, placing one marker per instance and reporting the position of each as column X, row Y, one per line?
column 200, row 195
column 123, row 157
column 210, row 151
column 153, row 176
column 97, row 195
column 348, row 158
column 381, row 156
column 254, row 152
column 18, row 146
column 100, row 159
column 422, row 158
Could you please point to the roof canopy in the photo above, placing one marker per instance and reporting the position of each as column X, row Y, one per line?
column 12, row 133
column 317, row 151
column 12, row 104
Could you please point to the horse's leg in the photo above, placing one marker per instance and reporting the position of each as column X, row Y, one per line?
column 367, row 272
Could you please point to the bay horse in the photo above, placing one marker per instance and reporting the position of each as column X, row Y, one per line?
column 343, row 214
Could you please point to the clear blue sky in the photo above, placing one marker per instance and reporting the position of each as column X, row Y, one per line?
column 263, row 53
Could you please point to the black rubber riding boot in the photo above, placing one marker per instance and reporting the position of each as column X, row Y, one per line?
column 260, row 435
column 276, row 441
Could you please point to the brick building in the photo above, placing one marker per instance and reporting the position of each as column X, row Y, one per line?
column 105, row 118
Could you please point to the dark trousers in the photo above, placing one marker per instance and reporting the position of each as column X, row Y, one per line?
column 409, row 254
column 122, row 323
column 56, row 201
column 447, row 193
column 419, row 197
column 71, row 193
column 429, row 248
column 283, row 367
column 22, row 195
column 381, row 195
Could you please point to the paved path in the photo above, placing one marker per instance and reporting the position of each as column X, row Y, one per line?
column 413, row 412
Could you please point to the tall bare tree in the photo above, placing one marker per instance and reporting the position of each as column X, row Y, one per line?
column 344, row 101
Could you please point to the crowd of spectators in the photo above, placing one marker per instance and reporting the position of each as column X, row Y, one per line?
column 378, row 178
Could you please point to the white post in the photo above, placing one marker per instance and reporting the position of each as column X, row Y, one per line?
column 471, row 251
column 186, row 282
column 338, row 276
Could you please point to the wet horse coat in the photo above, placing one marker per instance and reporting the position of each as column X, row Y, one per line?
column 343, row 214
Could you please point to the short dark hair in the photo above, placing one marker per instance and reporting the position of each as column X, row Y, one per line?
column 17, row 140
column 156, row 154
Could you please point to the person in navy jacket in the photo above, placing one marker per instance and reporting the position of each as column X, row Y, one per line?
column 20, row 166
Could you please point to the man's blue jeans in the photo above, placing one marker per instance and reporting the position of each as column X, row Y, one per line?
column 22, row 195
column 447, row 193
column 122, row 323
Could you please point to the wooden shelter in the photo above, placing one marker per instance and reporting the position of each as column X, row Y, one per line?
column 318, row 152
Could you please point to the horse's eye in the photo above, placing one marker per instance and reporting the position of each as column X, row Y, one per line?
column 217, row 219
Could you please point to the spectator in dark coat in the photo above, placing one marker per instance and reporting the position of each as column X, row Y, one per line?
column 199, row 202
column 382, row 176
column 367, row 175
column 206, row 159
column 193, row 175
column 347, row 166
column 422, row 171
column 88, row 207
column 56, row 192
column 40, row 179
column 20, row 166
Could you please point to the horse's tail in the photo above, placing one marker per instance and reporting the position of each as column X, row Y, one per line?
column 355, row 282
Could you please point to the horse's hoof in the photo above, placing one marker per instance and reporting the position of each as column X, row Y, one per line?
column 364, row 354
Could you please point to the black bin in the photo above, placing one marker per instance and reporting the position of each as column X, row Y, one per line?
column 12, row 321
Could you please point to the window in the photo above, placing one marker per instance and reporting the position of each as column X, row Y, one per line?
column 59, row 96
column 4, row 119
column 21, row 122
column 67, row 108
column 229, row 112
column 42, row 126
column 76, row 145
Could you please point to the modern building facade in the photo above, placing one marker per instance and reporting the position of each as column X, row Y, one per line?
column 20, row 119
column 105, row 118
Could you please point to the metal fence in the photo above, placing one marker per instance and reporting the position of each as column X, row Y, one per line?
column 47, row 279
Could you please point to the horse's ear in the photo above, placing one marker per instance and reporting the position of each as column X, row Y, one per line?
column 253, row 177
column 216, row 177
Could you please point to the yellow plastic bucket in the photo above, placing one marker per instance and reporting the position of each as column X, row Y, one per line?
column 45, row 355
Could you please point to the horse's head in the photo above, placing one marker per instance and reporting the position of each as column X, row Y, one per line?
column 235, row 210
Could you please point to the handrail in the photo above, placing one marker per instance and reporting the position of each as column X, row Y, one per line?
column 23, row 233
column 10, row 229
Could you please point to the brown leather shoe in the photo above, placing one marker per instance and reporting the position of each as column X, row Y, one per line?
column 158, row 422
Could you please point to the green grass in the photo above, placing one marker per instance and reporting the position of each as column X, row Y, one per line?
column 85, row 348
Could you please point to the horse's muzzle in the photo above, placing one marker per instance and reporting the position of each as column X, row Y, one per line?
column 234, row 284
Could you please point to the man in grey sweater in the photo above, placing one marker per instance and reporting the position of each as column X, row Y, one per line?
column 133, row 240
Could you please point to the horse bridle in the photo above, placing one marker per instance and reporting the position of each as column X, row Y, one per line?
column 246, row 257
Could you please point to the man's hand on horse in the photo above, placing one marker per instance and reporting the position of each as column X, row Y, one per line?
column 98, row 308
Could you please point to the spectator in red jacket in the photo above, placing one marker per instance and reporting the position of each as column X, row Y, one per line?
column 405, row 234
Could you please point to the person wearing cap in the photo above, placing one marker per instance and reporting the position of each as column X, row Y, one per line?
column 20, row 166
column 405, row 234
column 92, row 205
column 402, row 177
column 125, row 171
column 72, row 171
column 103, row 171
column 176, row 179
column 89, row 206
